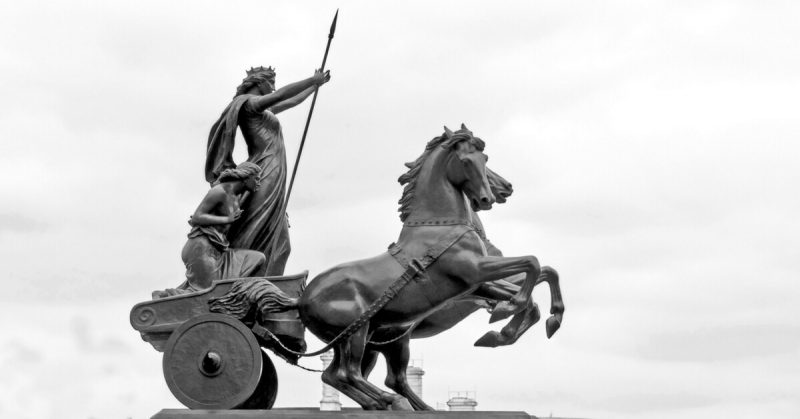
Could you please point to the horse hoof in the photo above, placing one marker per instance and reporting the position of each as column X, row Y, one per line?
column 490, row 339
column 424, row 407
column 552, row 326
column 503, row 310
column 400, row 403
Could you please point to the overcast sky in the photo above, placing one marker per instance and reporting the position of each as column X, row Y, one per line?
column 653, row 148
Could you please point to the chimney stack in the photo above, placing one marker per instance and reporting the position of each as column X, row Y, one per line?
column 414, row 376
column 462, row 402
column 330, row 396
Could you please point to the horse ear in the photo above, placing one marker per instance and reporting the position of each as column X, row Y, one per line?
column 464, row 127
column 410, row 165
column 447, row 132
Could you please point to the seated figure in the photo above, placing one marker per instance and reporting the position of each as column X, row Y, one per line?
column 207, row 254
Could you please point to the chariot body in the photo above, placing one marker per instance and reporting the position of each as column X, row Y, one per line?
column 216, row 361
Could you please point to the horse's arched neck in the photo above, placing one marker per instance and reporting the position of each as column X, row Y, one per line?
column 435, row 198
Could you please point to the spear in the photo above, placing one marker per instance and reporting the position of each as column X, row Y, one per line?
column 311, row 111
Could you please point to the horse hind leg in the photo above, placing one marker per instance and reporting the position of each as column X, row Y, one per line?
column 352, row 353
column 397, row 355
column 368, row 361
column 336, row 376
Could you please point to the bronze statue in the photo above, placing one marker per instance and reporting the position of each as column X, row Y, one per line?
column 442, row 269
column 373, row 304
column 207, row 254
column 236, row 302
column 263, row 226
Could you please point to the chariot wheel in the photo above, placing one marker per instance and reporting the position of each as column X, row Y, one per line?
column 213, row 361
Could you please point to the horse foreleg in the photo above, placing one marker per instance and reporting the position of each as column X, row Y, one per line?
column 397, row 354
column 499, row 290
column 492, row 268
column 550, row 276
column 515, row 328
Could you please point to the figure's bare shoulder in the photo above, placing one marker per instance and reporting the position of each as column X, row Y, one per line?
column 216, row 194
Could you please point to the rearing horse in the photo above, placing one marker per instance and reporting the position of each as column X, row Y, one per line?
column 439, row 256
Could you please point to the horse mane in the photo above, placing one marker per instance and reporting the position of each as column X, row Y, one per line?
column 409, row 178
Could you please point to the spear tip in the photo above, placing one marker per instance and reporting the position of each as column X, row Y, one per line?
column 333, row 25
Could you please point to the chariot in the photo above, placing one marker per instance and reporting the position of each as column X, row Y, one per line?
column 213, row 360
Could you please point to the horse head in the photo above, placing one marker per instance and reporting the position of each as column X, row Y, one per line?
column 501, row 188
column 466, row 167
column 452, row 167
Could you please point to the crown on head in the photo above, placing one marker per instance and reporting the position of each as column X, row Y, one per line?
column 257, row 70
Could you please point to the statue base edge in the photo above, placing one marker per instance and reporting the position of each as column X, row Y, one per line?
column 313, row 413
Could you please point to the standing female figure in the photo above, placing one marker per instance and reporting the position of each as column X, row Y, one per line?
column 263, row 225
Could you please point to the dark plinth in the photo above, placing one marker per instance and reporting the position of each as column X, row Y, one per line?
column 309, row 413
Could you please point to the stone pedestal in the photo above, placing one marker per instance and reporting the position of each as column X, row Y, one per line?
column 312, row 413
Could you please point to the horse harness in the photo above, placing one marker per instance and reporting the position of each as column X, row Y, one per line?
column 414, row 268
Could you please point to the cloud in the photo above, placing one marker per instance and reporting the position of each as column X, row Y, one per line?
column 722, row 344
column 19, row 223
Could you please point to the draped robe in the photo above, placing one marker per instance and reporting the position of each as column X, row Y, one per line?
column 263, row 225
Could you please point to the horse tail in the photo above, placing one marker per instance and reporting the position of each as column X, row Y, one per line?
column 247, row 293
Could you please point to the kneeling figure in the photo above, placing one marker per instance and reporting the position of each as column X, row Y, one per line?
column 207, row 254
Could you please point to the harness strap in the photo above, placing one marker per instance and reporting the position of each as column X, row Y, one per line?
column 414, row 268
column 437, row 221
column 445, row 221
column 433, row 253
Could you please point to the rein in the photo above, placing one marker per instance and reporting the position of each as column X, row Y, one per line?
column 414, row 268
column 437, row 222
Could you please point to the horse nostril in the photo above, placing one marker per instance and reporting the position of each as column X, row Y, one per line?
column 485, row 200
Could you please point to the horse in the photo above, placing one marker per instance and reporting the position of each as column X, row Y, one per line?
column 490, row 293
column 487, row 296
column 439, row 256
